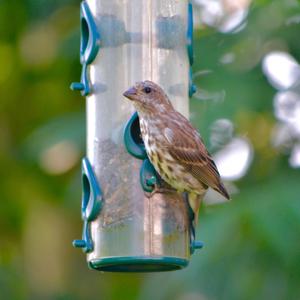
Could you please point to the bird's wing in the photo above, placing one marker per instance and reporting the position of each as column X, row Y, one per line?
column 185, row 145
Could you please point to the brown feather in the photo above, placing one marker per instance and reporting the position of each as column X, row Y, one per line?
column 189, row 150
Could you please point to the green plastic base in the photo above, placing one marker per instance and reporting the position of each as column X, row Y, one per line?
column 138, row 264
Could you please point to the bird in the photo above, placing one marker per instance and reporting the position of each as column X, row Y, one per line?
column 173, row 146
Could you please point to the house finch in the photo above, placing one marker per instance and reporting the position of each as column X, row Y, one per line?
column 173, row 145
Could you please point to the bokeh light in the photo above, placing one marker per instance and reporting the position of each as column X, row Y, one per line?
column 221, row 132
column 281, row 69
column 234, row 159
column 295, row 156
column 226, row 16
column 59, row 158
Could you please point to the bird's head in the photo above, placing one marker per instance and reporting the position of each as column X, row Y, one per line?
column 148, row 97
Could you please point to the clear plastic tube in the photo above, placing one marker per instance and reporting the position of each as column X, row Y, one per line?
column 140, row 40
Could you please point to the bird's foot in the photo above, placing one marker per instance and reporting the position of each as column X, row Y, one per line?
column 162, row 190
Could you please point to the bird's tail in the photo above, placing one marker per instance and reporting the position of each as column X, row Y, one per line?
column 222, row 190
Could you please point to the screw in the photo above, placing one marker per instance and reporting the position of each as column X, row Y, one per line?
column 79, row 244
column 77, row 86
column 198, row 244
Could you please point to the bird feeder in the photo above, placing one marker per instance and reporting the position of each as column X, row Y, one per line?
column 127, row 226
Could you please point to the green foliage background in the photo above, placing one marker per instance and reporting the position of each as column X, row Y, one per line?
column 252, row 244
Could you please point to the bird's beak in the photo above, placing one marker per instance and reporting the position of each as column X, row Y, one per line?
column 131, row 93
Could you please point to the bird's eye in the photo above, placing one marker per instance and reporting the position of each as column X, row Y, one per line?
column 147, row 90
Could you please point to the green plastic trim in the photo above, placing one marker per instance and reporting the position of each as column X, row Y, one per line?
column 91, row 204
column 90, row 37
column 190, row 30
column 190, row 48
column 92, row 199
column 86, row 244
column 138, row 264
column 148, row 176
column 89, row 48
column 194, row 245
column 192, row 86
column 135, row 147
column 77, row 86
column 79, row 243
column 197, row 245
column 132, row 138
